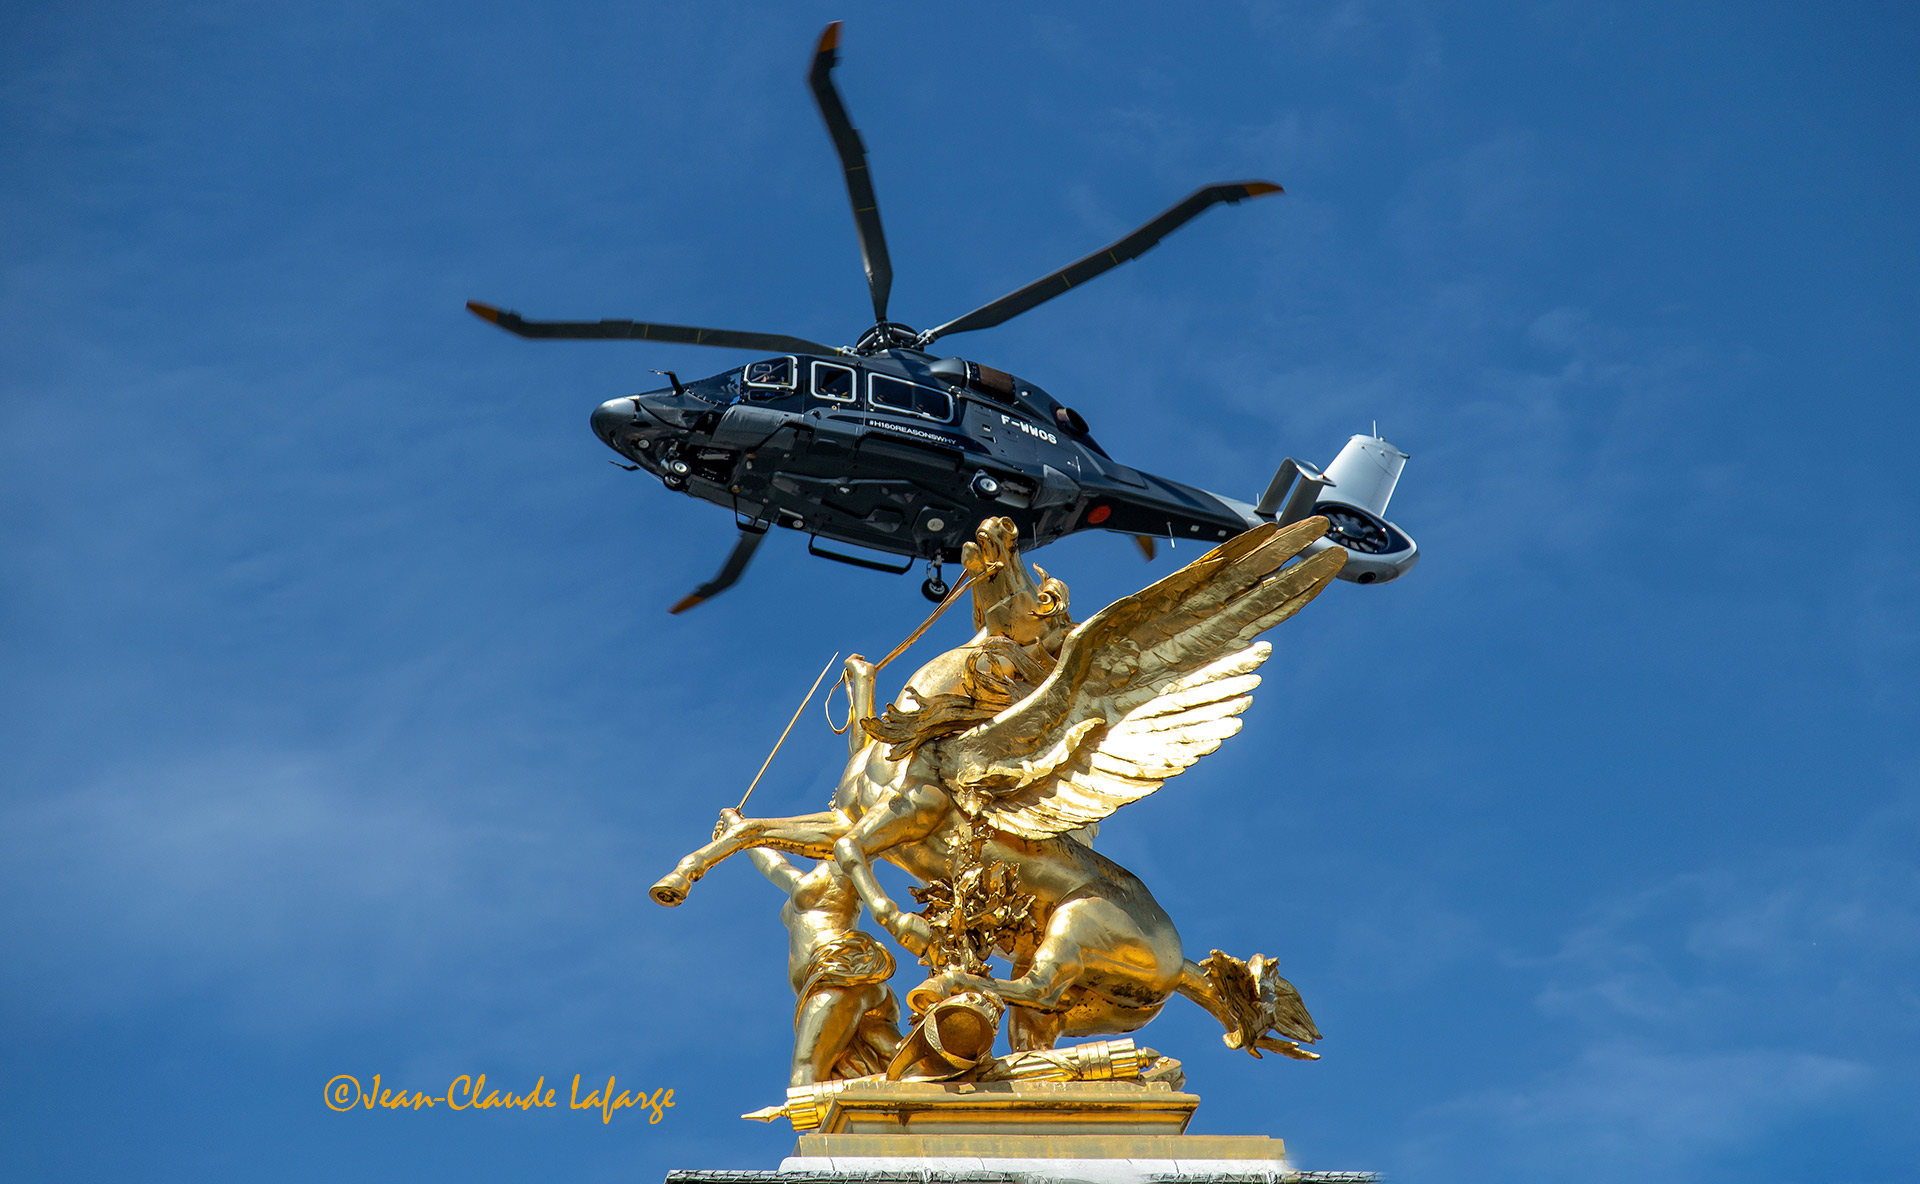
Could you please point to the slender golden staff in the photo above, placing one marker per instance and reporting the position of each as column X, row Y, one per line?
column 927, row 624
column 783, row 735
column 826, row 704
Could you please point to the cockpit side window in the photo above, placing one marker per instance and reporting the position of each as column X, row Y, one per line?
column 893, row 394
column 765, row 378
column 833, row 382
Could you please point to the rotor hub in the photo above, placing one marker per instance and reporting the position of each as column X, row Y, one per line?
column 887, row 335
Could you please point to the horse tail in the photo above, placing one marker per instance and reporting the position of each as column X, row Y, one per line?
column 1252, row 1002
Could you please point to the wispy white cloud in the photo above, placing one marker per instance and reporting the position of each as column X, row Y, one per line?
column 1704, row 1015
column 1629, row 1109
column 297, row 901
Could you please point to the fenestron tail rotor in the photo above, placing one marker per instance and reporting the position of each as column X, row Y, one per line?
column 1104, row 260
column 853, row 162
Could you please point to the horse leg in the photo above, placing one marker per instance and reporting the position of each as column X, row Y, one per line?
column 811, row 835
column 1134, row 971
column 1034, row 1030
column 1026, row 1028
column 895, row 819
column 860, row 676
column 1055, row 1000
column 1056, row 968
column 1037, row 999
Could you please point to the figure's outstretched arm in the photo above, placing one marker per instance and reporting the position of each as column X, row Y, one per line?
column 776, row 868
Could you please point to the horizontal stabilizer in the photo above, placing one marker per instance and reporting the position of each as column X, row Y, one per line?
column 1290, row 496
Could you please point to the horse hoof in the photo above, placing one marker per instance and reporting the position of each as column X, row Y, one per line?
column 671, row 890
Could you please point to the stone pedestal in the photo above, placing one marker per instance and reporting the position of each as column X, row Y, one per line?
column 1018, row 1132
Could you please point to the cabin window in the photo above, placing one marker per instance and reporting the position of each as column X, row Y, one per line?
column 833, row 382
column 893, row 394
column 776, row 374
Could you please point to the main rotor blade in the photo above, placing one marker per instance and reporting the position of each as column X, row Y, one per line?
column 853, row 162
column 647, row 331
column 1105, row 259
column 737, row 559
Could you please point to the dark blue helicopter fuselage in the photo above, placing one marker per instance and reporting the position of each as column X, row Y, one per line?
column 899, row 452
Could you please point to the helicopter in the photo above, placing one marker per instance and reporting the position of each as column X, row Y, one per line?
column 886, row 446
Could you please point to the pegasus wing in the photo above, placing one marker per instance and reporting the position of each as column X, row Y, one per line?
column 1143, row 689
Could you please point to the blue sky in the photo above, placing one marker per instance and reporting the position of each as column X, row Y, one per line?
column 342, row 725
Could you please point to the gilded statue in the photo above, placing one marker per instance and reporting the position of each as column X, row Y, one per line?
column 1006, row 752
column 846, row 1020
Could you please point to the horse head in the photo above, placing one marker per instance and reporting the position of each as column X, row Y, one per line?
column 1022, row 622
column 1007, row 601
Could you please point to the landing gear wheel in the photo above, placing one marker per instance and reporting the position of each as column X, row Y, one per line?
column 674, row 482
column 935, row 588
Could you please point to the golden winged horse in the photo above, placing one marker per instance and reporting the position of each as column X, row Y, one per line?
column 1031, row 734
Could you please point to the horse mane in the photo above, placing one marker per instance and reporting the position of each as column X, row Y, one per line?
column 996, row 673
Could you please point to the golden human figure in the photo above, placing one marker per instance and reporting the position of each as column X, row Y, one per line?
column 846, row 1019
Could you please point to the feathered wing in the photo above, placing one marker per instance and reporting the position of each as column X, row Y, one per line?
column 1144, row 688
